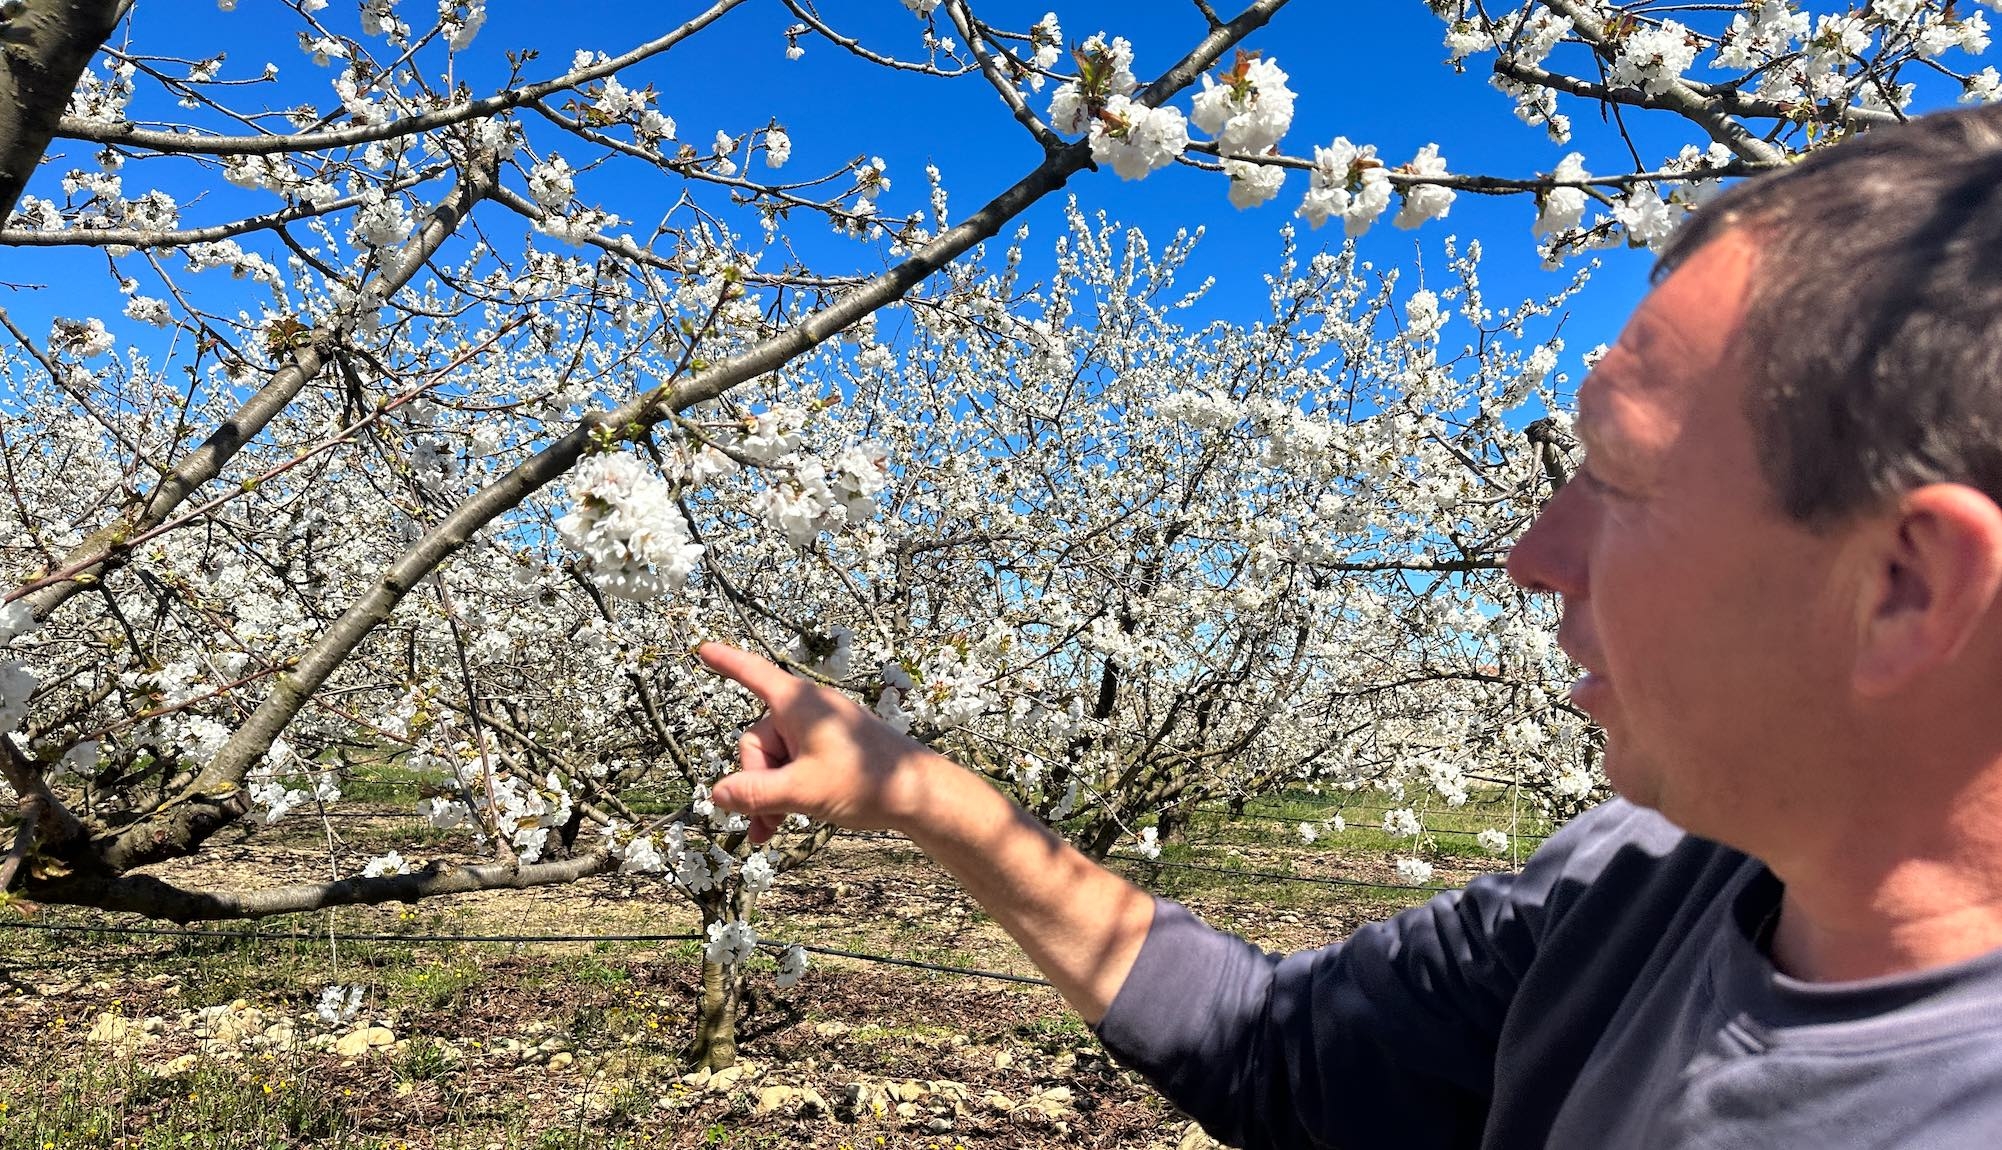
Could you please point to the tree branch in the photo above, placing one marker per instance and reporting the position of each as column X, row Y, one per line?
column 54, row 824
column 186, row 143
column 157, row 898
column 216, row 797
column 1680, row 97
column 44, row 47
column 974, row 34
column 32, row 808
column 178, row 237
column 109, row 543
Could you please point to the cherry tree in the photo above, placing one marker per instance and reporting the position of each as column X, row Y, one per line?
column 382, row 433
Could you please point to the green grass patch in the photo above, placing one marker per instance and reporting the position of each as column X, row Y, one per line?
column 436, row 984
column 101, row 1104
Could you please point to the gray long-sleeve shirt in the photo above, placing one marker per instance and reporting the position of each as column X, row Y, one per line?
column 1609, row 996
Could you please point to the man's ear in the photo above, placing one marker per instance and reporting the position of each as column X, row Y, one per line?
column 1935, row 575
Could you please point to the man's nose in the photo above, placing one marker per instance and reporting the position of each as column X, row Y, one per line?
column 1550, row 555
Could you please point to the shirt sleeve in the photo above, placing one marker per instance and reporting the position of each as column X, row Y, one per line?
column 1386, row 1038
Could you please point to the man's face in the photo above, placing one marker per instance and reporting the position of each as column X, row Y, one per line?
column 1707, row 621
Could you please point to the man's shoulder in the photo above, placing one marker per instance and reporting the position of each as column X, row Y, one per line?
column 1621, row 858
column 1619, row 821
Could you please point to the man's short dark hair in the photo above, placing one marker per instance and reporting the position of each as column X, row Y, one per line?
column 1873, row 332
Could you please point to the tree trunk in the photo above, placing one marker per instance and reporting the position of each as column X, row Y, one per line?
column 714, row 1044
column 1099, row 839
column 44, row 46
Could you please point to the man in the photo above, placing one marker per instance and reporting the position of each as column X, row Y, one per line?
column 1781, row 570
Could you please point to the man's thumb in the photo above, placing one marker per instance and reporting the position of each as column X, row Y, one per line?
column 755, row 792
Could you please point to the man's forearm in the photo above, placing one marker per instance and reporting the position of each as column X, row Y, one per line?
column 1079, row 923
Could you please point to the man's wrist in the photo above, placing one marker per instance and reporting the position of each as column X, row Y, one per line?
column 946, row 802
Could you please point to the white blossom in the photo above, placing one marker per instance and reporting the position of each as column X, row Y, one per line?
column 1983, row 87
column 730, row 942
column 1645, row 216
column 1347, row 181
column 758, row 872
column 1071, row 105
column 550, row 184
column 1136, row 139
column 1560, row 209
column 1401, row 821
column 146, row 309
column 792, row 964
column 642, row 856
column 85, row 339
column 1149, row 844
column 338, row 1004
column 1253, row 184
column 380, row 221
column 691, row 870
column 1249, row 111
column 1654, row 57
column 277, row 799
column 16, row 684
column 1424, row 202
column 1757, row 37
column 460, row 20
column 444, row 814
column 323, row 49
column 722, row 148
column 623, row 519
column 1467, row 37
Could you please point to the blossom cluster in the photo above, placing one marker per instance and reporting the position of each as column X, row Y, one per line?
column 815, row 497
column 1348, row 182
column 625, row 522
column 730, row 942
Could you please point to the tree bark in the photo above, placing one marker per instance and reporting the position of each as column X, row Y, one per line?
column 159, row 899
column 44, row 45
column 724, row 988
column 715, row 1044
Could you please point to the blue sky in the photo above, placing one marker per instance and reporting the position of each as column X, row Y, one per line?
column 1374, row 72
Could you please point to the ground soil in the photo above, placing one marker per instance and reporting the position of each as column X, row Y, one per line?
column 858, row 1054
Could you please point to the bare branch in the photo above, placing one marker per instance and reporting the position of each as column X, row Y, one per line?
column 188, row 143
column 975, row 36
column 851, row 44
column 156, row 898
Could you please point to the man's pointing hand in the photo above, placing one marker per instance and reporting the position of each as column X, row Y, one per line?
column 817, row 753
